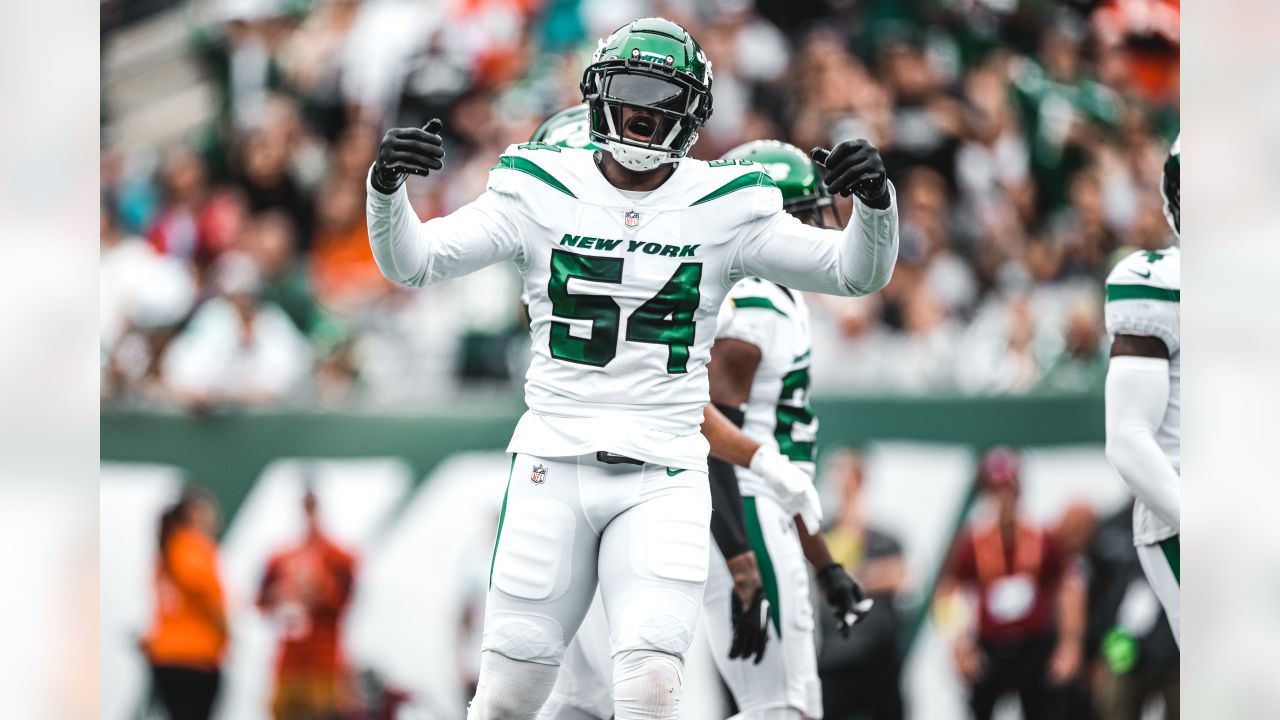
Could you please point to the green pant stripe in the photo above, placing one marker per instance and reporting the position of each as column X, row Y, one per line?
column 756, row 537
column 501, row 516
column 1172, row 554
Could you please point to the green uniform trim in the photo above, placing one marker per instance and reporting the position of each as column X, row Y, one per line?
column 755, row 535
column 502, row 516
column 1172, row 553
column 528, row 167
column 746, row 180
column 1142, row 292
column 757, row 302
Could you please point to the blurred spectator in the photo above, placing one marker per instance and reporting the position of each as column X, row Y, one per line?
column 195, row 222
column 343, row 275
column 1082, row 364
column 306, row 590
column 269, row 239
column 188, row 636
column 142, row 297
column 236, row 349
column 1064, row 112
column 862, row 674
column 1129, row 647
column 1030, row 601
column 1024, row 139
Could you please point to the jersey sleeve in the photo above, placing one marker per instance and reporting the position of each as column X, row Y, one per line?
column 1139, row 303
column 856, row 261
column 414, row 253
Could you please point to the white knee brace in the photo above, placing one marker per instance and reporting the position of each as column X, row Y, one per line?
column 510, row 689
column 646, row 685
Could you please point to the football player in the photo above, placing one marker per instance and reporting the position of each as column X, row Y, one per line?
column 626, row 256
column 1142, row 395
column 759, row 380
column 791, row 485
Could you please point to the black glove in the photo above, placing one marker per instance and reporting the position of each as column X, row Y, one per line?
column 403, row 151
column 854, row 166
column 750, row 627
column 845, row 595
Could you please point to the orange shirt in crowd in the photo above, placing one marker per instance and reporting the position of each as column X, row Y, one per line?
column 343, row 271
column 190, row 628
column 309, row 588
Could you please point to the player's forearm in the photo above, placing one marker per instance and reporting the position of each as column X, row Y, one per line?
column 727, row 442
column 395, row 236
column 870, row 247
column 1137, row 395
column 814, row 546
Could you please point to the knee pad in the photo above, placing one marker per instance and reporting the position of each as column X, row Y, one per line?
column 524, row 637
column 510, row 689
column 646, row 685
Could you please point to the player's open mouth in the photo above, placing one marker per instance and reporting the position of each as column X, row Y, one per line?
column 641, row 126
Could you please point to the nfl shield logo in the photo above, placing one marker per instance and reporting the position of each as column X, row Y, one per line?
column 632, row 218
column 538, row 475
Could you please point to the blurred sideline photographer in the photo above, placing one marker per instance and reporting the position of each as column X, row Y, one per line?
column 862, row 673
column 188, row 636
column 1030, row 622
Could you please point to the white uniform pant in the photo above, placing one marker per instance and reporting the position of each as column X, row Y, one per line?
column 640, row 530
column 1161, row 563
column 787, row 677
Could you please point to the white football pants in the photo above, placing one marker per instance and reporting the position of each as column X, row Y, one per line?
column 641, row 531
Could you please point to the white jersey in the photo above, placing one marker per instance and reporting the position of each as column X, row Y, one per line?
column 778, row 415
column 1143, row 294
column 623, row 290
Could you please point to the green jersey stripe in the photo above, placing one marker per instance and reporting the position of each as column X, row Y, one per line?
column 751, row 179
column 501, row 516
column 1172, row 553
column 1142, row 292
column 528, row 167
column 757, row 302
column 755, row 536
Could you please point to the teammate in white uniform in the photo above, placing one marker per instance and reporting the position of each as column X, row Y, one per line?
column 759, row 378
column 1143, row 399
column 626, row 256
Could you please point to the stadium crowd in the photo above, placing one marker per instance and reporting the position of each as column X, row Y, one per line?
column 1024, row 138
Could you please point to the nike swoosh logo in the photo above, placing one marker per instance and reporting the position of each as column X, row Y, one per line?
column 1145, row 275
column 673, row 473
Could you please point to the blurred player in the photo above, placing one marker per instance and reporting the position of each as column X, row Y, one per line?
column 626, row 256
column 759, row 381
column 1142, row 395
column 307, row 589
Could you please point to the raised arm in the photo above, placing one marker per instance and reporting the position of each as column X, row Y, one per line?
column 414, row 253
column 856, row 261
